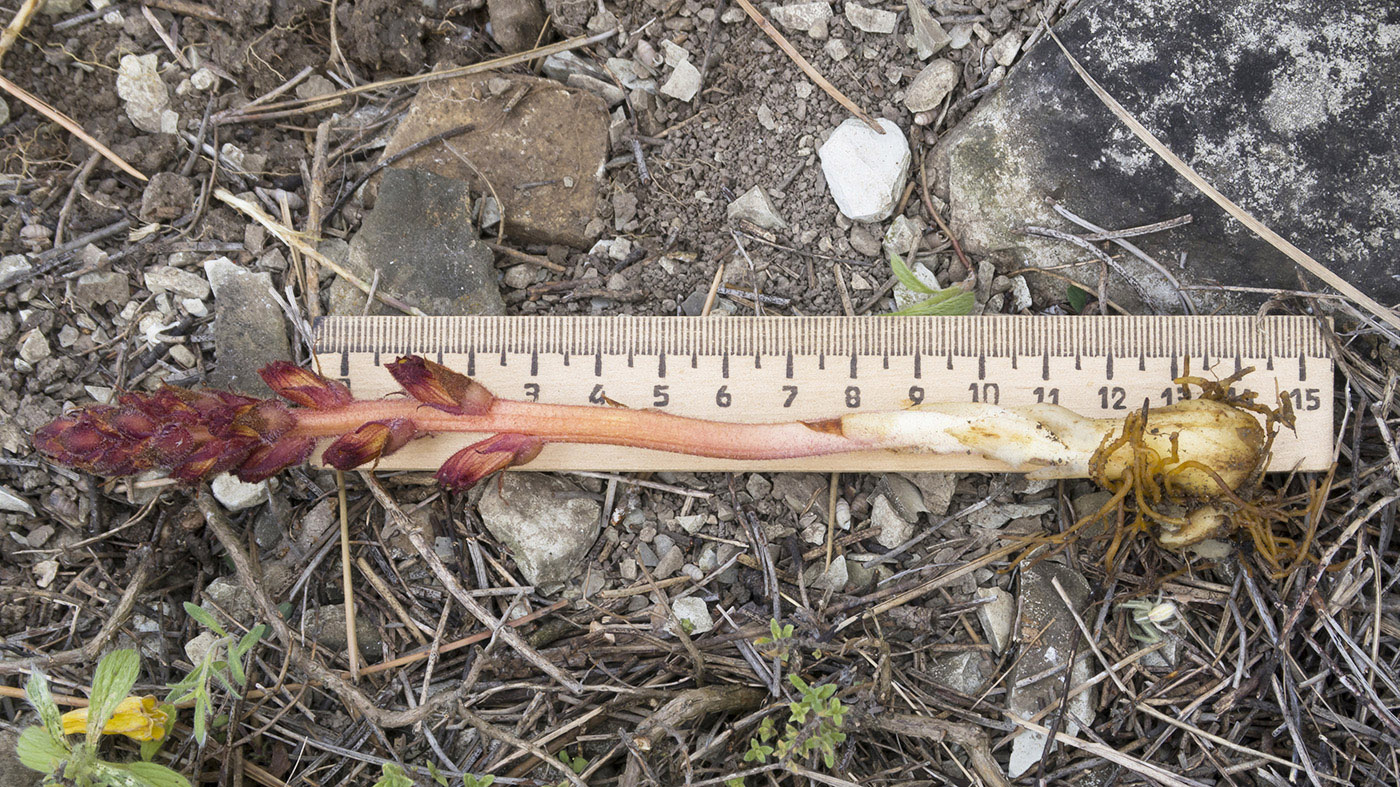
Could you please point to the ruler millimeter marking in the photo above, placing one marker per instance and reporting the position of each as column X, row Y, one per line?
column 754, row 369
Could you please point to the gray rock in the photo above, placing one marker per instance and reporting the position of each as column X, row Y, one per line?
column 548, row 535
column 803, row 17
column 1043, row 611
column 996, row 515
column 515, row 24
column 865, row 170
column 147, row 99
column 964, row 673
column 903, row 237
column 9, row 501
column 167, row 196
column 932, row 85
column 420, row 239
column 802, row 492
column 224, row 596
column 684, row 82
column 1292, row 132
column 996, row 616
column 863, row 241
column 694, row 611
column 833, row 577
column 756, row 206
column 938, row 490
column 870, row 20
column 671, row 561
column 13, row 267
column 1004, row 49
column 34, row 347
column 97, row 288
column 927, row 37
column 904, row 495
column 894, row 530
column 556, row 140
column 4, row 112
column 177, row 282
column 249, row 330
column 326, row 625
column 758, row 487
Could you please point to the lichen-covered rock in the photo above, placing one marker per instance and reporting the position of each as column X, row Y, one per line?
column 1290, row 108
column 548, row 533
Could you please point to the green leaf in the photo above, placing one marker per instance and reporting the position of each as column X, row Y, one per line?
column 1078, row 298
column 247, row 641
column 947, row 302
column 116, row 674
column 907, row 277
column 37, row 691
column 203, row 618
column 826, row 691
column 775, row 628
column 798, row 683
column 201, row 716
column 153, row 774
column 39, row 751
column 391, row 775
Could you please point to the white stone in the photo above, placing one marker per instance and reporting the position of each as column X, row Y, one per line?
column 181, row 354
column 140, row 86
column 34, row 348
column 178, row 282
column 871, row 20
column 9, row 501
column 203, row 79
column 865, row 170
column 195, row 307
column 684, row 82
column 959, row 36
column 695, row 612
column 68, row 336
column 674, row 53
column 837, row 50
column 894, row 530
column 932, row 85
column 4, row 112
column 13, row 267
column 810, row 18
column 236, row 495
column 220, row 270
column 732, row 15
column 1004, row 50
column 756, row 206
column 1020, row 294
column 996, row 616
column 833, row 578
column 199, row 647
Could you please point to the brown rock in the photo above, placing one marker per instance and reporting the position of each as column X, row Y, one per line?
column 515, row 24
column 543, row 157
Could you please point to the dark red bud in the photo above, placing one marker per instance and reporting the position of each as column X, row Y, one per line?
column 465, row 468
column 368, row 443
column 269, row 460
column 438, row 386
column 304, row 387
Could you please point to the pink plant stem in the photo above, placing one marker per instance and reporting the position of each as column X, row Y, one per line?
column 557, row 423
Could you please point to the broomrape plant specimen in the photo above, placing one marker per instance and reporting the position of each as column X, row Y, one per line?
column 1185, row 466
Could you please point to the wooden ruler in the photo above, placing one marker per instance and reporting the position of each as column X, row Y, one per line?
column 753, row 369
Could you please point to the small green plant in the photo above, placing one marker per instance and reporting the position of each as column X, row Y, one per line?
column 949, row 301
column 222, row 661
column 813, row 727
column 112, row 710
column 391, row 775
column 779, row 642
column 577, row 763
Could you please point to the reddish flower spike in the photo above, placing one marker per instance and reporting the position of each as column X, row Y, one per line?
column 438, row 386
column 465, row 468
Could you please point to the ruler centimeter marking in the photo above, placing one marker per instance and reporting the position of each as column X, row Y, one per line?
column 753, row 369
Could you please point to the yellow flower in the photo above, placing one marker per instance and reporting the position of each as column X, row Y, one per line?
column 135, row 717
